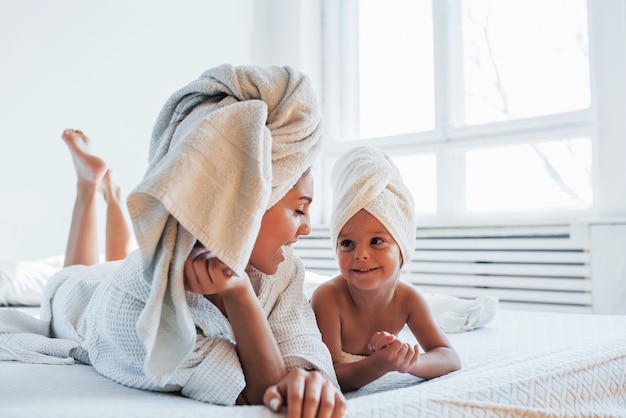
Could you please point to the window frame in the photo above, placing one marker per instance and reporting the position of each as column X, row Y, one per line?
column 448, row 141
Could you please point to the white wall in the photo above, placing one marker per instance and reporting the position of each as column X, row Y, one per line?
column 288, row 32
column 105, row 67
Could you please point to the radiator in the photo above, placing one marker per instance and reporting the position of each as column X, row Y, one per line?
column 542, row 267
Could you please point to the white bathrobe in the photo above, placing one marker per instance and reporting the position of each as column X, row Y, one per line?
column 97, row 308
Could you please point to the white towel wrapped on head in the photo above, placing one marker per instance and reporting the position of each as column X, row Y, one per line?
column 366, row 178
column 225, row 148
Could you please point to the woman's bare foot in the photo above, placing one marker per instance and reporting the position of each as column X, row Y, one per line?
column 89, row 168
column 110, row 190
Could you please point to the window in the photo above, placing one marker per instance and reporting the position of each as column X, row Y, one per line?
column 548, row 174
column 398, row 98
column 486, row 106
column 419, row 172
column 524, row 58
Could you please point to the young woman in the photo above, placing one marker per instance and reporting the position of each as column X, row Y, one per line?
column 211, row 303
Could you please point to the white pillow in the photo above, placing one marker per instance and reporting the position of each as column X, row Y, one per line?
column 311, row 281
column 22, row 282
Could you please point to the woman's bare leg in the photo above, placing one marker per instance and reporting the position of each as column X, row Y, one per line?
column 82, row 242
column 119, row 237
column 92, row 177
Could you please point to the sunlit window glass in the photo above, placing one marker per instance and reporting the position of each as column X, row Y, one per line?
column 396, row 84
column 419, row 174
column 547, row 175
column 524, row 58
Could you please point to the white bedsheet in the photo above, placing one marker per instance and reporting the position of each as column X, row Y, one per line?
column 521, row 364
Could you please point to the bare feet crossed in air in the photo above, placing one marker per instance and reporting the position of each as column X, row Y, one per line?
column 93, row 177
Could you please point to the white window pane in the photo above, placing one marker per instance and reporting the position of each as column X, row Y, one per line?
column 548, row 175
column 524, row 58
column 419, row 173
column 396, row 82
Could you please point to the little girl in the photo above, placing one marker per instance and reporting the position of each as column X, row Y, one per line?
column 361, row 311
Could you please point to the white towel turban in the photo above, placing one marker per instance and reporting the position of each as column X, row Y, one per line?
column 366, row 178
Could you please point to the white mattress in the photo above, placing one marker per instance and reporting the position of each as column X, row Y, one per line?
column 521, row 364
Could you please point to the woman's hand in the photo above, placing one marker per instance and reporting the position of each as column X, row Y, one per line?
column 207, row 275
column 306, row 394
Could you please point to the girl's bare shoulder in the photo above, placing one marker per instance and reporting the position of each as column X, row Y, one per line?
column 331, row 288
column 410, row 293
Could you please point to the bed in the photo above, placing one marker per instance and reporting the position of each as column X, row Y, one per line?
column 521, row 363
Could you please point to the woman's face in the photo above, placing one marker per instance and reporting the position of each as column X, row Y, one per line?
column 282, row 224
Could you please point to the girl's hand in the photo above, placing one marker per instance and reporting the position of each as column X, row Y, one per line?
column 306, row 394
column 380, row 340
column 207, row 275
column 395, row 354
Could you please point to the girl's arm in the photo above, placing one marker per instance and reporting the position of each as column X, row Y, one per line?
column 353, row 376
column 439, row 356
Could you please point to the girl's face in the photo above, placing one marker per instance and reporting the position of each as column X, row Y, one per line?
column 282, row 224
column 368, row 255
